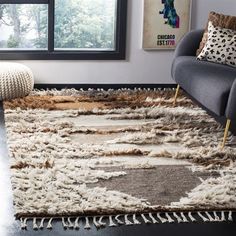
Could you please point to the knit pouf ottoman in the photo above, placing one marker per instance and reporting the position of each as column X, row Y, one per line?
column 16, row 80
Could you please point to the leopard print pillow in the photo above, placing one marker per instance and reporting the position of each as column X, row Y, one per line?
column 218, row 20
column 220, row 46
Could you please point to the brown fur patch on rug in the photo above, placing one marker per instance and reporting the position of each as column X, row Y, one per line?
column 89, row 100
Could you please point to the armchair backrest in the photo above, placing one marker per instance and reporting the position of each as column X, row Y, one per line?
column 189, row 44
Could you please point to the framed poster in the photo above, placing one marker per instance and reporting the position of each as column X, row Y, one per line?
column 165, row 23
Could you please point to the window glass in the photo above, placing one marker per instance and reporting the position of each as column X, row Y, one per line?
column 23, row 26
column 85, row 24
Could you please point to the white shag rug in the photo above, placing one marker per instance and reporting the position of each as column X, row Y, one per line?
column 117, row 154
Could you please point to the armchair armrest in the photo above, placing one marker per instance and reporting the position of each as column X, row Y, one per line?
column 231, row 106
column 189, row 44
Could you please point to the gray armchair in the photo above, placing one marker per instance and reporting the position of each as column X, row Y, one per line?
column 212, row 85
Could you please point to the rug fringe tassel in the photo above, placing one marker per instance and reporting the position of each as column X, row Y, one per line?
column 71, row 225
column 135, row 220
column 65, row 225
column 230, row 216
column 169, row 219
column 154, row 221
column 111, row 222
column 184, row 219
column 178, row 218
column 101, row 221
column 95, row 222
column 217, row 218
column 223, row 216
column 203, row 217
column 163, row 220
column 190, row 216
column 210, row 217
column 127, row 221
column 87, row 224
column 116, row 220
column 35, row 226
column 23, row 223
column 146, row 221
column 76, row 225
column 49, row 225
column 41, row 226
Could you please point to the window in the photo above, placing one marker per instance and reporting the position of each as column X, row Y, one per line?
column 63, row 29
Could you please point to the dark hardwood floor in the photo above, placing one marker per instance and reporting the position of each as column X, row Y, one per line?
column 10, row 227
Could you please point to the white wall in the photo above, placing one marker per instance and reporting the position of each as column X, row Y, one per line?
column 140, row 66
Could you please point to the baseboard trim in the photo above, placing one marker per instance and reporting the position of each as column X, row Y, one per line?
column 103, row 86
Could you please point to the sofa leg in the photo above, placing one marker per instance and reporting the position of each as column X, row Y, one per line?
column 176, row 94
column 226, row 133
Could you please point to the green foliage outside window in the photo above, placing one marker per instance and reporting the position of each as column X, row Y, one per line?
column 79, row 24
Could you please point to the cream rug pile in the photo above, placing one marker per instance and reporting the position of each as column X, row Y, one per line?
column 117, row 157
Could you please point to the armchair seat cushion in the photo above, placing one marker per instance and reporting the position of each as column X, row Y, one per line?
column 207, row 82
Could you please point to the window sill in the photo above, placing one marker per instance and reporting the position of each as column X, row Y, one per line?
column 62, row 55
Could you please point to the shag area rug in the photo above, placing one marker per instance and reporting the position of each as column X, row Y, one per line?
column 117, row 157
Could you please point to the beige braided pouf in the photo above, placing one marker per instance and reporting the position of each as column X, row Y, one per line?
column 16, row 80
